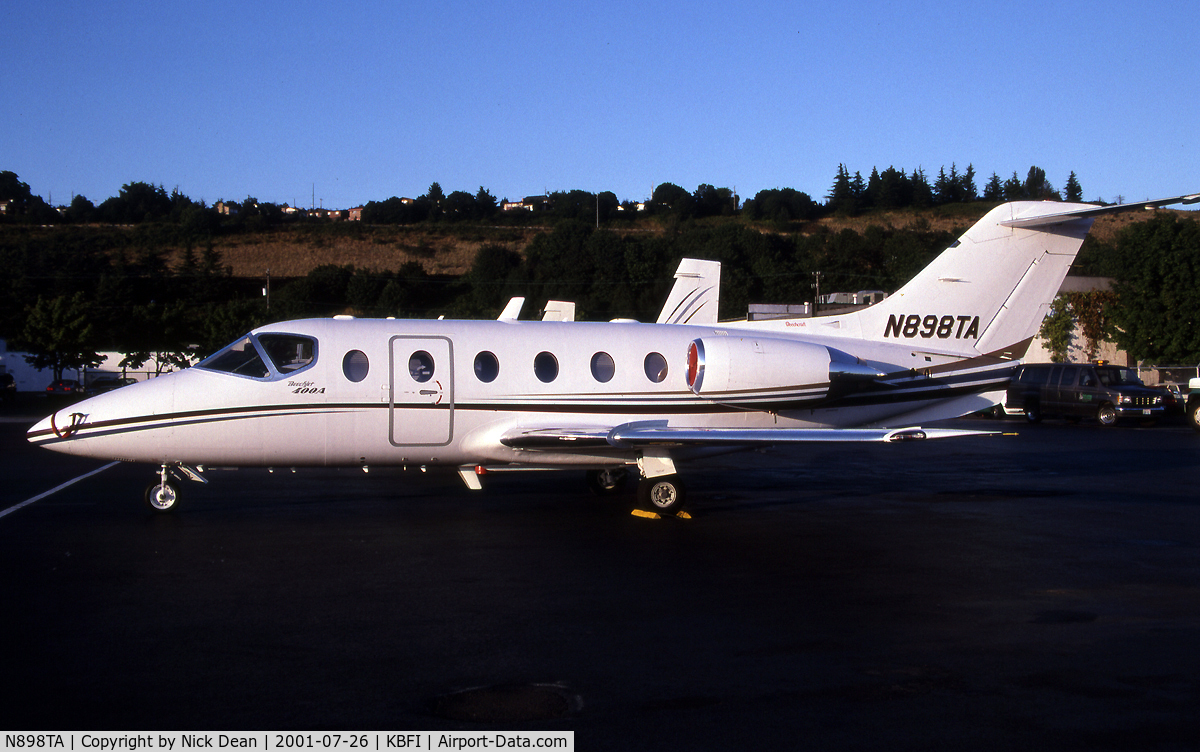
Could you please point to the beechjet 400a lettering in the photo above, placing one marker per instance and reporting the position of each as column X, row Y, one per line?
column 486, row 396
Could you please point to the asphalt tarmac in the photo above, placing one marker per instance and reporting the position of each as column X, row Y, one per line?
column 1040, row 591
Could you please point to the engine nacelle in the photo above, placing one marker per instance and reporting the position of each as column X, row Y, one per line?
column 736, row 369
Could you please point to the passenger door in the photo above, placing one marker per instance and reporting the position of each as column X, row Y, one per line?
column 422, row 389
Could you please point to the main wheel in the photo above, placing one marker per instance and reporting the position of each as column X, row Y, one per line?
column 608, row 481
column 1107, row 415
column 1194, row 414
column 162, row 497
column 662, row 494
column 1033, row 411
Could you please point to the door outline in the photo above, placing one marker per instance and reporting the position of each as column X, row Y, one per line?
column 443, row 379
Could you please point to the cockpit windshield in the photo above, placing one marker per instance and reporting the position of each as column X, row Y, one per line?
column 289, row 352
column 286, row 353
column 241, row 358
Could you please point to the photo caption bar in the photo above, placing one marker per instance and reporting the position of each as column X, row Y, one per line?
column 342, row 741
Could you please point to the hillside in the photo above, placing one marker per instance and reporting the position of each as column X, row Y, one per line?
column 450, row 250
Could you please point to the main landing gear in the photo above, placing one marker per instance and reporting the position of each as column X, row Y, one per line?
column 665, row 494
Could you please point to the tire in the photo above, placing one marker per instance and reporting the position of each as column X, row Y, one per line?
column 1107, row 414
column 162, row 497
column 1033, row 412
column 664, row 494
column 1193, row 413
column 608, row 481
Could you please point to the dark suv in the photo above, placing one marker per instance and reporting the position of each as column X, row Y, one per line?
column 1081, row 390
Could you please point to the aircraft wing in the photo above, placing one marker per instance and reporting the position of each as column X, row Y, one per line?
column 656, row 433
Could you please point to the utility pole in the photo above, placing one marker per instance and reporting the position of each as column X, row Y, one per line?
column 817, row 296
column 267, row 290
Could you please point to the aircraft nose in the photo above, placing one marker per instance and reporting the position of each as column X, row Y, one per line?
column 60, row 424
column 38, row 429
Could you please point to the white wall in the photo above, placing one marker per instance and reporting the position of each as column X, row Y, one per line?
column 30, row 379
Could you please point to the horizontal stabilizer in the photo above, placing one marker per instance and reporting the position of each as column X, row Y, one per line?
column 1095, row 211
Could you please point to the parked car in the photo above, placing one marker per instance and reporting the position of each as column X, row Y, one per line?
column 1193, row 403
column 65, row 388
column 109, row 383
column 1174, row 398
column 1082, row 390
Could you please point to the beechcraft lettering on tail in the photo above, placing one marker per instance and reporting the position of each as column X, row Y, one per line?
column 616, row 399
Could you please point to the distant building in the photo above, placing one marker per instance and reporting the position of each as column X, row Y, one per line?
column 355, row 214
column 529, row 203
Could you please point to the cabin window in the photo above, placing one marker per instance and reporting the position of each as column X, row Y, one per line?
column 355, row 365
column 656, row 367
column 420, row 366
column 545, row 367
column 240, row 358
column 603, row 367
column 289, row 352
column 487, row 368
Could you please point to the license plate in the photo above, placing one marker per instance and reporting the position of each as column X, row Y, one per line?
column 1145, row 412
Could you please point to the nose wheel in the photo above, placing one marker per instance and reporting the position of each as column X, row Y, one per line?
column 162, row 496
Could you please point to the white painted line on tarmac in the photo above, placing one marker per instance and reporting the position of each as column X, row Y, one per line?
column 56, row 489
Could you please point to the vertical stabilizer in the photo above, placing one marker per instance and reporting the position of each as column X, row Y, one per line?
column 989, row 291
column 694, row 298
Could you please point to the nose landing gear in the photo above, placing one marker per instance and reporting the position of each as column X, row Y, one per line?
column 163, row 495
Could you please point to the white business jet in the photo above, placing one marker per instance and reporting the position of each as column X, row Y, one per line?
column 490, row 396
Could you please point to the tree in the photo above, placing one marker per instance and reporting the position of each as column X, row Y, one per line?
column 994, row 191
column 841, row 198
column 1074, row 191
column 459, row 205
column 895, row 191
column 1088, row 310
column 922, row 193
column 137, row 202
column 1037, row 188
column 1157, row 311
column 1057, row 327
column 160, row 333
column 80, row 211
column 966, row 184
column 709, row 201
column 781, row 205
column 58, row 334
column 485, row 203
column 22, row 201
column 1014, row 189
column 673, row 198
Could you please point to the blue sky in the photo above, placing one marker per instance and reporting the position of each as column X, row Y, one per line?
column 375, row 99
